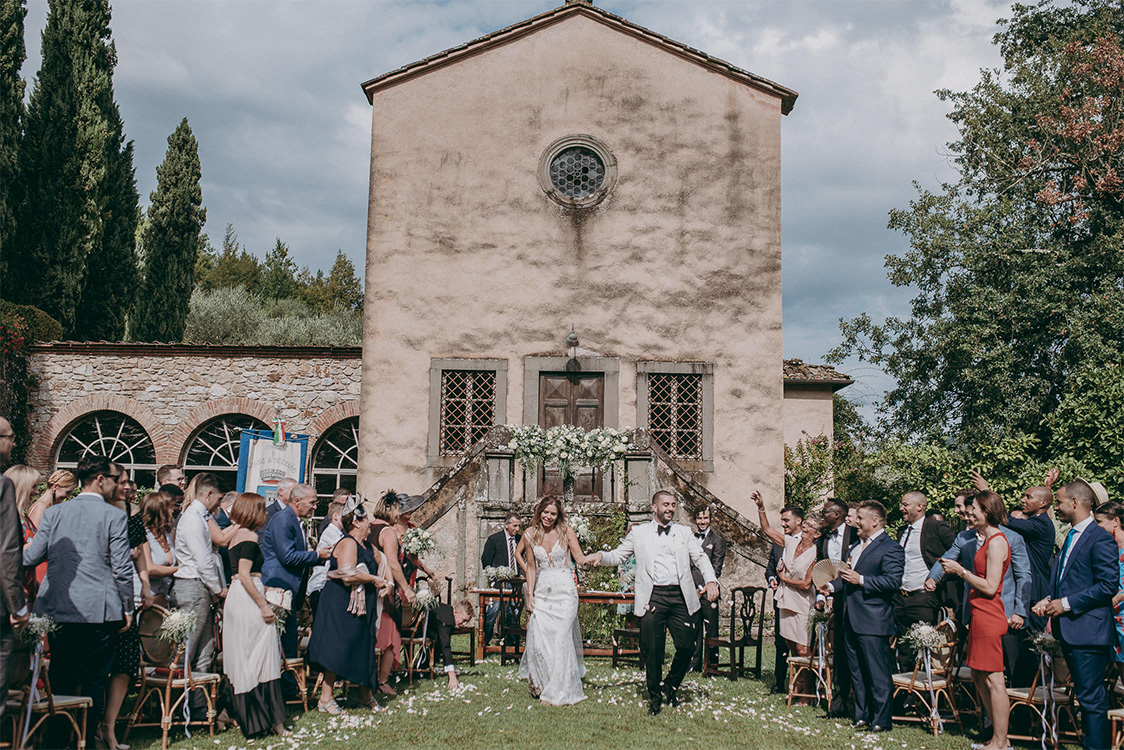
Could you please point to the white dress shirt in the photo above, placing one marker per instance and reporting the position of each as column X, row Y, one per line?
column 1078, row 530
column 194, row 550
column 860, row 548
column 664, row 570
column 915, row 569
column 833, row 544
column 328, row 539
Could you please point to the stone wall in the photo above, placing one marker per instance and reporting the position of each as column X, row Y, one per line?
column 173, row 390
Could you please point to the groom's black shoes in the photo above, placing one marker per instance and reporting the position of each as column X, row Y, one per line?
column 653, row 708
column 671, row 696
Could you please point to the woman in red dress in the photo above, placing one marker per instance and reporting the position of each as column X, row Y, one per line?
column 985, row 513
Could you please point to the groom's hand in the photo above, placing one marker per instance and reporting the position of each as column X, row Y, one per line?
column 712, row 591
column 593, row 560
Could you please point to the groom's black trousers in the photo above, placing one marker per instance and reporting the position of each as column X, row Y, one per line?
column 667, row 610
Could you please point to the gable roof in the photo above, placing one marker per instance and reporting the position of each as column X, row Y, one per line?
column 561, row 13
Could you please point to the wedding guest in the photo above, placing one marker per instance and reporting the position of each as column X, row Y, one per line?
column 499, row 552
column 792, row 519
column 197, row 585
column 288, row 560
column 126, row 648
column 25, row 479
column 1034, row 524
column 412, row 564
column 1086, row 577
column 1110, row 517
column 221, row 518
column 385, row 538
column 329, row 535
column 156, row 515
column 13, row 605
column 835, row 539
column 864, row 594
column 340, row 496
column 88, row 590
column 59, row 486
column 714, row 546
column 1017, row 583
column 251, row 643
column 344, row 631
column 985, row 514
column 284, row 487
column 924, row 540
column 443, row 620
column 171, row 474
column 795, row 594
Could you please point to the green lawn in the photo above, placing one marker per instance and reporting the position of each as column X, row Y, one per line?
column 495, row 711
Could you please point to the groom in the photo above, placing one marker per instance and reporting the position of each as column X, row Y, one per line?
column 666, row 598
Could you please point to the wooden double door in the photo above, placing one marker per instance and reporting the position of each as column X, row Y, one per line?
column 575, row 398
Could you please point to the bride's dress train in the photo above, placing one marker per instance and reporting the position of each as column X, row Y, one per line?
column 552, row 660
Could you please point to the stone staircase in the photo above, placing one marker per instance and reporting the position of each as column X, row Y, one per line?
column 472, row 498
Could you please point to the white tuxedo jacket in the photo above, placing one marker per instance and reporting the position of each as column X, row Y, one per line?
column 641, row 541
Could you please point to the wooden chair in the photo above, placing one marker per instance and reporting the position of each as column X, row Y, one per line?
column 1033, row 699
column 416, row 639
column 626, row 643
column 928, row 692
column 816, row 668
column 469, row 630
column 299, row 669
column 747, row 626
column 1116, row 716
column 165, row 684
column 511, row 601
column 47, row 705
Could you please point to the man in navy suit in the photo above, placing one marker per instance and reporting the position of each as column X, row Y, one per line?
column 833, row 544
column 1085, row 578
column 288, row 560
column 864, row 595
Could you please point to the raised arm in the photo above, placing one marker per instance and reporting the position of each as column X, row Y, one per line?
column 775, row 536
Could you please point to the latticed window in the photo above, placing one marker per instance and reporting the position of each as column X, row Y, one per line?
column 216, row 445
column 675, row 412
column 335, row 462
column 114, row 435
column 577, row 172
column 468, row 408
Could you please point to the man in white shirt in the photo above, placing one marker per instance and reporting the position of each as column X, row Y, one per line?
column 666, row 597
column 198, row 586
column 923, row 540
column 332, row 533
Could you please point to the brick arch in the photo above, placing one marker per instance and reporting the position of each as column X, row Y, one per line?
column 46, row 441
column 231, row 405
column 329, row 417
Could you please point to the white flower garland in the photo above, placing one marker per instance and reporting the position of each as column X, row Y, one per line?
column 567, row 448
column 500, row 573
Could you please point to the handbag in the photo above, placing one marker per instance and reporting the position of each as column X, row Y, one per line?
column 279, row 597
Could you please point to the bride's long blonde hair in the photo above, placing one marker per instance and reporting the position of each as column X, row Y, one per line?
column 537, row 533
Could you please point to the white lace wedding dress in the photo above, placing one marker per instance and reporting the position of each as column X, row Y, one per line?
column 552, row 660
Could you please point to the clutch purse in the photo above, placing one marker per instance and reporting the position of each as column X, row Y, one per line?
column 279, row 597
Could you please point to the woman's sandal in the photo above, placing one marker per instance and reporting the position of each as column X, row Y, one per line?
column 280, row 730
column 386, row 689
column 375, row 706
column 331, row 707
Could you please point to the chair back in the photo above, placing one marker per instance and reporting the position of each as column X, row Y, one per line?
column 155, row 651
column 746, row 614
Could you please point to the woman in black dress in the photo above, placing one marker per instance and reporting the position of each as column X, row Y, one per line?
column 346, row 623
column 251, row 642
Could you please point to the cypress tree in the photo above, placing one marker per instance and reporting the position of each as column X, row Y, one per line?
column 171, row 241
column 12, row 55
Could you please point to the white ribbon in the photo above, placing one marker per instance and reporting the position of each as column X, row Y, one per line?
column 821, row 656
column 186, row 686
column 936, row 714
column 33, row 696
column 1049, row 705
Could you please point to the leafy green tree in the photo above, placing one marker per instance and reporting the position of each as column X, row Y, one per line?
column 229, row 267
column 12, row 55
column 1017, row 265
column 1088, row 426
column 807, row 471
column 343, row 286
column 279, row 274
column 171, row 241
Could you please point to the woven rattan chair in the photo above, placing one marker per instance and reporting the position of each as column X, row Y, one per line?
column 815, row 668
column 47, row 705
column 1033, row 700
column 927, row 693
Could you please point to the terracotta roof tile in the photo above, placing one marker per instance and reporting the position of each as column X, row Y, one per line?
column 797, row 369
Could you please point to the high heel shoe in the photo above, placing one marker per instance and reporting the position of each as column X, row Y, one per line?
column 386, row 689
column 330, row 707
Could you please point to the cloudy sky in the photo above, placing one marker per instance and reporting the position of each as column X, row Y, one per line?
column 271, row 90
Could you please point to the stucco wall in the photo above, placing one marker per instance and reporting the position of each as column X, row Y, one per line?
column 808, row 413
column 468, row 257
column 172, row 395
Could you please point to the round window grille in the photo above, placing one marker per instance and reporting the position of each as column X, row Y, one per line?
column 577, row 172
column 112, row 434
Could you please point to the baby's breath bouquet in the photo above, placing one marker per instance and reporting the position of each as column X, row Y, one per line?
column 417, row 542
column 37, row 627
column 581, row 527
column 818, row 617
column 1043, row 643
column 924, row 637
column 500, row 572
column 178, row 626
column 426, row 599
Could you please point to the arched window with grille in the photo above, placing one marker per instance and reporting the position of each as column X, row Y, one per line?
column 215, row 446
column 115, row 435
column 335, row 459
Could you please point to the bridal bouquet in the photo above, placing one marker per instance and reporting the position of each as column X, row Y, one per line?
column 178, row 626
column 500, row 573
column 924, row 637
column 417, row 542
column 37, row 627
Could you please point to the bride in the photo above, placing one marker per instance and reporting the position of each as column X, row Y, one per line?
column 552, row 660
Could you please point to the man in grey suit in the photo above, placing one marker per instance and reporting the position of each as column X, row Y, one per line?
column 13, row 606
column 88, row 589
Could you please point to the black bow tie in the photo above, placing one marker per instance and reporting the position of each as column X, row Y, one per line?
column 700, row 534
column 662, row 529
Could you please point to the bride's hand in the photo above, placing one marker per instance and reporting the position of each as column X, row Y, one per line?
column 530, row 604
